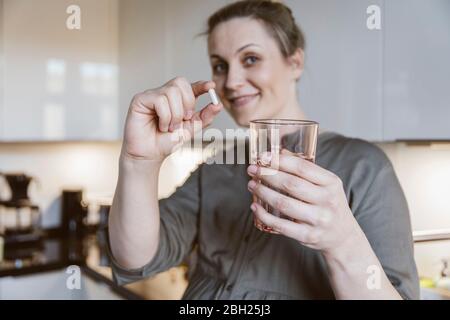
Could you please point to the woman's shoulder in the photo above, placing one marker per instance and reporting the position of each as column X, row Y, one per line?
column 348, row 152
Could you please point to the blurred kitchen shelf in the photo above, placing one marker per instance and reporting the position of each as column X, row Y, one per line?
column 431, row 235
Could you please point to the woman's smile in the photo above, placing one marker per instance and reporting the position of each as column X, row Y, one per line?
column 243, row 100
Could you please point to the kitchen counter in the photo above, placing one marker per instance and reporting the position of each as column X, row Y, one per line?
column 49, row 260
column 26, row 271
column 168, row 285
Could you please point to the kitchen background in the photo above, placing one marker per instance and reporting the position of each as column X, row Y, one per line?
column 64, row 95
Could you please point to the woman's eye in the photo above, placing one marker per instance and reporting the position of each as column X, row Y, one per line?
column 219, row 68
column 250, row 60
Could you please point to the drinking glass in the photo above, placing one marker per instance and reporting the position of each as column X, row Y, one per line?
column 268, row 137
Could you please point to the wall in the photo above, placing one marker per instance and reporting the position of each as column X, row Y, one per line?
column 422, row 170
column 424, row 173
column 91, row 166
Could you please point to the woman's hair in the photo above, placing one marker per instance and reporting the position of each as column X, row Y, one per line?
column 276, row 16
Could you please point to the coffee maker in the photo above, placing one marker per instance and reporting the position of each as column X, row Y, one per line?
column 20, row 218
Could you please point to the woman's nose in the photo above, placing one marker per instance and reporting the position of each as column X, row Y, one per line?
column 235, row 78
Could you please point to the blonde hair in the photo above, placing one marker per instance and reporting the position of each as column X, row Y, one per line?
column 276, row 16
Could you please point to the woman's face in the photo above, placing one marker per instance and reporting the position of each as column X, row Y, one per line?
column 253, row 79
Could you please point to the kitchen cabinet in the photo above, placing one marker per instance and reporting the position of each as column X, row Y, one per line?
column 416, row 70
column 343, row 58
column 383, row 85
column 1, row 69
column 341, row 86
column 160, row 40
column 59, row 83
column 379, row 85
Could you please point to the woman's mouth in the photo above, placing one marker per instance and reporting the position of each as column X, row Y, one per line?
column 241, row 101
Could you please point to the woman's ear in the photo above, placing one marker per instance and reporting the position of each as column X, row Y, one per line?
column 296, row 61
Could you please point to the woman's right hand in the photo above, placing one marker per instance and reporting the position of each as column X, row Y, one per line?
column 160, row 120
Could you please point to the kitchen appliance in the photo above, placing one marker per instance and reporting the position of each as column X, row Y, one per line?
column 73, row 226
column 73, row 213
column 20, row 218
column 18, row 183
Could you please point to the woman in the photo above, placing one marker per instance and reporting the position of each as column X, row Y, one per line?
column 352, row 238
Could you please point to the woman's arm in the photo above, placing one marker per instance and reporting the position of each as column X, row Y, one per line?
column 134, row 216
column 356, row 273
column 158, row 122
column 322, row 220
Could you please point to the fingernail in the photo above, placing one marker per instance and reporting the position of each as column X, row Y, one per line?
column 252, row 170
column 251, row 185
column 171, row 128
column 253, row 207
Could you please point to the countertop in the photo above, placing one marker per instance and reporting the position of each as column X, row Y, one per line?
column 56, row 252
column 50, row 259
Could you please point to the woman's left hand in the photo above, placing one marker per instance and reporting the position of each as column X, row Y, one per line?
column 317, row 204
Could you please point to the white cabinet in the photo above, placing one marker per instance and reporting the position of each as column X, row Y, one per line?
column 417, row 70
column 142, row 48
column 59, row 84
column 382, row 85
column 341, row 86
column 159, row 41
column 2, row 70
column 342, row 82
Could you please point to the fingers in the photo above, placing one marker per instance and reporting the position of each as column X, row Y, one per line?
column 151, row 102
column 293, row 208
column 298, row 231
column 293, row 185
column 201, row 87
column 187, row 95
column 208, row 113
column 262, row 227
column 174, row 104
column 202, row 118
column 182, row 97
column 162, row 109
column 174, row 97
column 305, row 169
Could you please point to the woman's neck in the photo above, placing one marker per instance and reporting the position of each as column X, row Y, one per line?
column 294, row 111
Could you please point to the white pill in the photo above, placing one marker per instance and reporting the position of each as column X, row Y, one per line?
column 213, row 96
